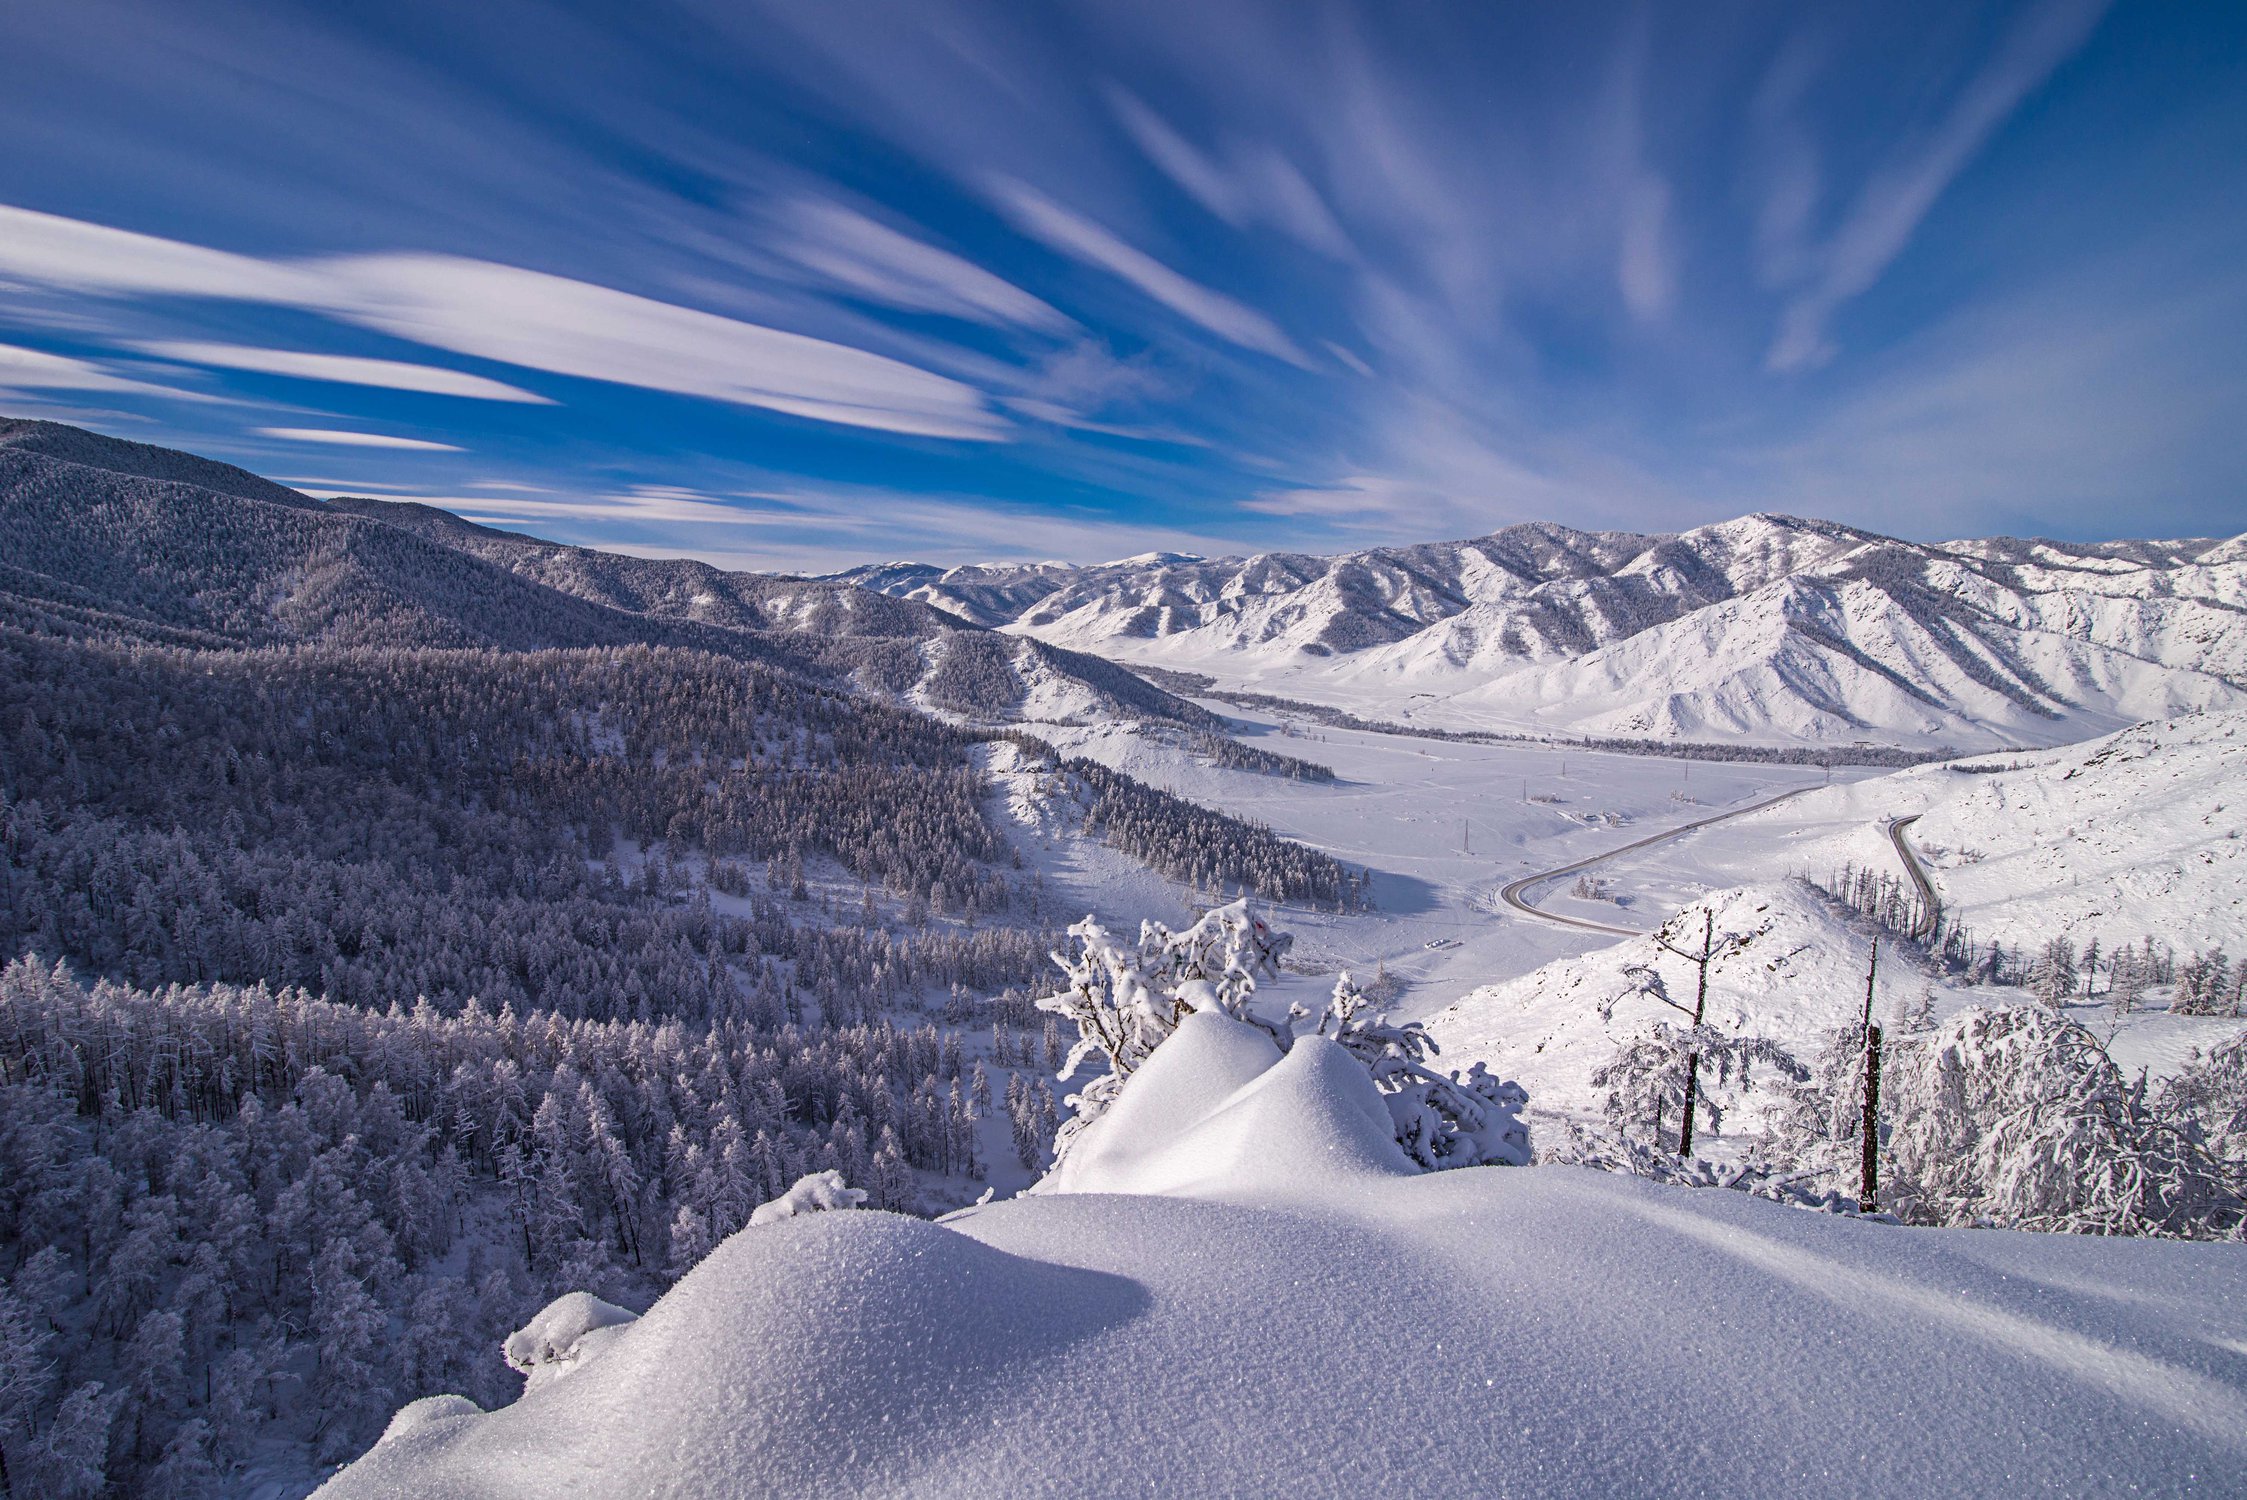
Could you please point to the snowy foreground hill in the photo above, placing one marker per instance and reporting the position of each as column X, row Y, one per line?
column 1768, row 628
column 1243, row 1289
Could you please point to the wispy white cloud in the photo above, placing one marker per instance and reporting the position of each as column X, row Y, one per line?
column 1081, row 239
column 514, row 316
column 807, row 528
column 1888, row 210
column 53, row 251
column 1254, row 184
column 346, row 439
column 1645, row 268
column 326, row 487
column 390, row 374
column 542, row 322
column 36, row 370
column 871, row 260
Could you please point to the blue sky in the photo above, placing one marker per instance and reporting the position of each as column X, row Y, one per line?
column 801, row 284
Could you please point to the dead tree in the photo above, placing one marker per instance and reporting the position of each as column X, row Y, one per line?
column 1868, row 1185
column 1711, row 950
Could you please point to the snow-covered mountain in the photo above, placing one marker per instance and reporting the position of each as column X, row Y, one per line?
column 1769, row 628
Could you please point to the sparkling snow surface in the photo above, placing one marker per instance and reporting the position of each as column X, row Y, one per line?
column 1294, row 1313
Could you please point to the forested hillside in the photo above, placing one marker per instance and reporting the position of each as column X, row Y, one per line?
column 104, row 538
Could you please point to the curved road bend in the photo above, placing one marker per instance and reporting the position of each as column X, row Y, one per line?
column 1513, row 893
column 1929, row 904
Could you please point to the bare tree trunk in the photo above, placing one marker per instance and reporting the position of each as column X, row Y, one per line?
column 1869, row 1186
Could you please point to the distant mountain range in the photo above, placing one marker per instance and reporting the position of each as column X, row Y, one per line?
column 106, row 538
column 1767, row 628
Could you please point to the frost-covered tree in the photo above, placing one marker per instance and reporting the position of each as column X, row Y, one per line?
column 2052, row 978
column 2018, row 1117
column 2207, row 1100
column 1647, row 1080
column 1124, row 1000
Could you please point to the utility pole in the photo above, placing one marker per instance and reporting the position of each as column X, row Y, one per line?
column 1868, row 1185
column 1710, row 950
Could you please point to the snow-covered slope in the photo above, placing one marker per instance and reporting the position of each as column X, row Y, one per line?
column 1768, row 627
column 1794, row 973
column 1260, row 1300
column 2136, row 832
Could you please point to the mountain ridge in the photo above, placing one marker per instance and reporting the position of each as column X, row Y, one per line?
column 107, row 537
column 1767, row 627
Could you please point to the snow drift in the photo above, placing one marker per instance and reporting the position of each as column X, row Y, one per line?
column 1243, row 1290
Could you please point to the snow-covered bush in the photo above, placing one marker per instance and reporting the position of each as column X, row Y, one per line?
column 568, row 1331
column 1442, row 1119
column 2207, row 1101
column 2018, row 1117
column 1564, row 1143
column 1125, row 1000
column 815, row 1192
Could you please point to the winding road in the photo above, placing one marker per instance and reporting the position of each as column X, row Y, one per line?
column 1515, row 893
column 1930, row 907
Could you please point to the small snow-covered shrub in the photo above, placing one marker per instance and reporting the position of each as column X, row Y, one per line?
column 1442, row 1119
column 2018, row 1117
column 815, row 1192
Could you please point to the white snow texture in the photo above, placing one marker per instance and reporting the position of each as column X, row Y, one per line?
column 1242, row 1288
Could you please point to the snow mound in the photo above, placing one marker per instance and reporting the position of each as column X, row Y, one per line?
column 1315, row 1320
column 1542, row 1331
column 415, row 1415
column 831, row 1353
column 1217, row 1112
column 568, row 1331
